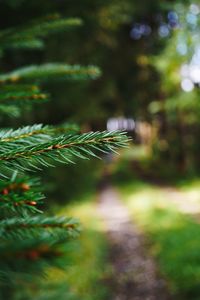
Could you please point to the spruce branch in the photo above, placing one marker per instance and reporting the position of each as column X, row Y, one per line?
column 21, row 204
column 62, row 149
column 35, row 133
column 70, row 225
column 26, row 237
column 21, row 96
column 13, row 97
column 50, row 71
column 25, row 134
column 16, row 88
column 35, row 234
column 20, row 195
column 29, row 36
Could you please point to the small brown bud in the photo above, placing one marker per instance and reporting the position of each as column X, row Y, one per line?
column 5, row 192
column 25, row 187
column 32, row 203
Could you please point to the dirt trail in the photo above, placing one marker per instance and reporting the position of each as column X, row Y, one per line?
column 134, row 272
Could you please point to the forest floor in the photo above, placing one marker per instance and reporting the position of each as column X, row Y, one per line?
column 135, row 275
column 152, row 227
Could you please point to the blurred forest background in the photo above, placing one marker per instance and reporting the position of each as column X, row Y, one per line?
column 149, row 55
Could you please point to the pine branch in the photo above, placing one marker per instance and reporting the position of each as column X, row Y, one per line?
column 25, row 237
column 29, row 36
column 21, row 204
column 71, row 226
column 35, row 236
column 11, row 96
column 35, row 133
column 25, row 134
column 16, row 88
column 20, row 195
column 61, row 149
column 50, row 71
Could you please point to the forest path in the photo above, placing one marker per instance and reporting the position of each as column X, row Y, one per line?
column 134, row 275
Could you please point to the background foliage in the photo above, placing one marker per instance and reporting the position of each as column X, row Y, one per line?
column 148, row 52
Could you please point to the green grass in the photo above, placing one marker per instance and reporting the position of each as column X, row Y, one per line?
column 90, row 268
column 173, row 238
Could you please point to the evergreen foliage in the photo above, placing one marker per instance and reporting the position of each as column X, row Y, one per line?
column 29, row 35
column 29, row 240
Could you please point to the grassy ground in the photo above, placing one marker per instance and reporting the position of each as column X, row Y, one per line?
column 84, row 278
column 90, row 268
column 172, row 237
